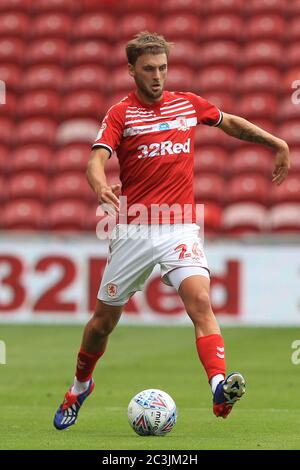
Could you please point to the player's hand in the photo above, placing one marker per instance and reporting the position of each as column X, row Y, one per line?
column 108, row 195
column 282, row 164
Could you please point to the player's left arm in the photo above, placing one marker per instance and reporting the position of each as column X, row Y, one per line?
column 242, row 129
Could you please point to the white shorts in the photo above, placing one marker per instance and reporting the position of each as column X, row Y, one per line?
column 134, row 251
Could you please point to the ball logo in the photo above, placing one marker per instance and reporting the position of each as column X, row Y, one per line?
column 112, row 289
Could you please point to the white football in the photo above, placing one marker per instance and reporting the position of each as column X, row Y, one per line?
column 152, row 413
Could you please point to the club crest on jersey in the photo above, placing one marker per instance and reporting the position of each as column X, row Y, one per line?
column 101, row 130
column 112, row 289
column 182, row 123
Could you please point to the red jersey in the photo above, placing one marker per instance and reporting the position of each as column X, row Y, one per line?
column 155, row 147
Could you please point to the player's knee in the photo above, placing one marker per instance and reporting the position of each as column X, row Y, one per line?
column 101, row 327
column 200, row 303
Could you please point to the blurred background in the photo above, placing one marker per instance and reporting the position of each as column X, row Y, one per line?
column 63, row 64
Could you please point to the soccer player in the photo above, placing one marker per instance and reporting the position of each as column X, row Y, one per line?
column 152, row 131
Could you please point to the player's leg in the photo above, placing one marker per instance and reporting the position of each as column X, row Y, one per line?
column 194, row 292
column 93, row 345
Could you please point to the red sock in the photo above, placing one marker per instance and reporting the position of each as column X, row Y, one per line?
column 212, row 355
column 86, row 363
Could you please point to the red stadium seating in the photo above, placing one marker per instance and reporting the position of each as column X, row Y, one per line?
column 211, row 159
column 259, row 79
column 23, row 215
column 119, row 58
column 214, row 7
column 295, row 159
column 6, row 130
column 288, row 191
column 212, row 219
column 222, row 100
column 207, row 135
column 180, row 78
column 30, row 185
column 291, row 57
column 132, row 24
column 14, row 24
column 221, row 77
column 4, row 160
column 3, row 191
column 248, row 188
column 266, row 6
column 265, row 52
column 95, row 26
column 35, row 131
column 52, row 25
column 31, row 158
column 293, row 30
column 289, row 131
column 39, row 103
column 222, row 27
column 138, row 6
column 257, row 105
column 64, row 6
column 244, row 218
column 89, row 52
column 219, row 53
column 77, row 130
column 11, row 50
column 47, row 51
column 289, row 78
column 284, row 218
column 43, row 77
column 11, row 75
column 292, row 8
column 99, row 5
column 249, row 159
column 74, row 157
column 121, row 81
column 15, row 5
column 70, row 185
column 181, row 26
column 288, row 109
column 180, row 6
column 9, row 107
column 209, row 188
column 266, row 26
column 87, row 77
column 67, row 215
column 83, row 104
column 184, row 53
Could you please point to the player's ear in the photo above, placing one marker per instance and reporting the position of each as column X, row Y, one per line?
column 131, row 69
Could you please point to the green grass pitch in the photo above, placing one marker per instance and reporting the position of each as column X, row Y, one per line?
column 40, row 367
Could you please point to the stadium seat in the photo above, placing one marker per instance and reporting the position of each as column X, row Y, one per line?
column 257, row 105
column 67, row 215
column 118, row 58
column 43, row 77
column 9, row 107
column 210, row 159
column 267, row 26
column 293, row 31
column 72, row 185
column 139, row 6
column 184, row 53
column 31, row 158
column 224, row 101
column 288, row 110
column 284, row 218
column 266, row 52
column 39, row 103
column 3, row 191
column 63, row 6
column 288, row 191
column 87, row 77
column 180, row 78
column 89, row 52
column 212, row 219
column 95, row 26
column 52, row 25
column 35, row 131
column 221, row 77
column 206, row 135
column 121, row 81
column 23, row 215
column 181, row 26
column 131, row 24
column 73, row 157
column 47, row 51
column 244, row 218
column 222, row 27
column 169, row 7
column 4, row 160
column 7, row 129
column 77, row 130
column 15, row 5
column 30, row 185
column 295, row 159
column 291, row 75
column 209, row 188
column 12, row 50
column 248, row 188
column 266, row 6
column 259, row 79
column 214, row 7
column 80, row 104
column 292, row 9
column 251, row 159
column 113, row 98
column 99, row 5
column 291, row 57
column 11, row 75
column 218, row 53
column 289, row 131
column 14, row 24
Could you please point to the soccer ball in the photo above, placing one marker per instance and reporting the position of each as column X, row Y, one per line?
column 152, row 413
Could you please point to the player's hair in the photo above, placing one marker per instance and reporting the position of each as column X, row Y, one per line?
column 146, row 43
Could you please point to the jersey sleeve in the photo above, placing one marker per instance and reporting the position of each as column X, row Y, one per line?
column 207, row 113
column 111, row 130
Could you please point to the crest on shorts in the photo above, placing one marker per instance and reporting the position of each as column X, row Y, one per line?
column 182, row 123
column 112, row 289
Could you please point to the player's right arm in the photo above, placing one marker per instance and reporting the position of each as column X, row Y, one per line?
column 97, row 180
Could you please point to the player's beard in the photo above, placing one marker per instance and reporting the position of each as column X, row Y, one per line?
column 147, row 91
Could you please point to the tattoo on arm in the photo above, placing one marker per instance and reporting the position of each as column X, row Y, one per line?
column 251, row 135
